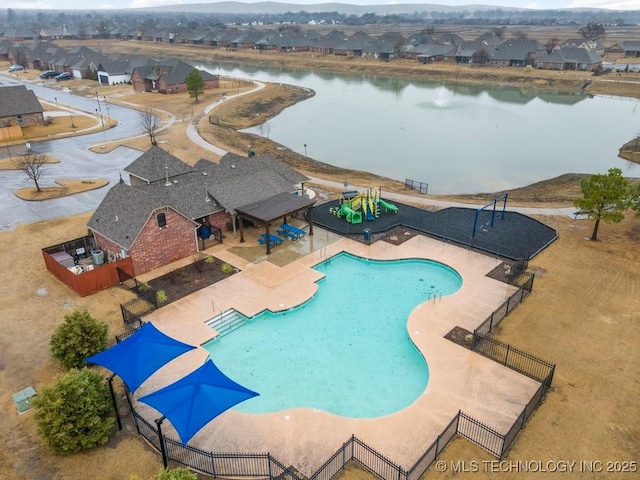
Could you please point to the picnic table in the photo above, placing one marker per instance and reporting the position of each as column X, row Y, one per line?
column 275, row 240
column 292, row 232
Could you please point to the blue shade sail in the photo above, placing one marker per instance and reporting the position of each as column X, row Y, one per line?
column 139, row 356
column 195, row 400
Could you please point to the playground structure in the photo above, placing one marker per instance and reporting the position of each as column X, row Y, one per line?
column 356, row 206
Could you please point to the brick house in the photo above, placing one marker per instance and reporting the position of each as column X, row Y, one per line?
column 19, row 106
column 170, row 209
column 168, row 78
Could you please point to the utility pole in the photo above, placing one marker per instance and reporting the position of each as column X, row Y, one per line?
column 99, row 109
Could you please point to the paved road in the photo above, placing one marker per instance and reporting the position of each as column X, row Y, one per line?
column 76, row 161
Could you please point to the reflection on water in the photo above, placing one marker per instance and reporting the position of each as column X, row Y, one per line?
column 456, row 138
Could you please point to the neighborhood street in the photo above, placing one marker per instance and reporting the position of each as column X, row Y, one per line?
column 76, row 161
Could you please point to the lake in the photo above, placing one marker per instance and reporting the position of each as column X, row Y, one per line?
column 456, row 138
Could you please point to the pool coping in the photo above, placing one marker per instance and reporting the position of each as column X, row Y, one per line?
column 459, row 379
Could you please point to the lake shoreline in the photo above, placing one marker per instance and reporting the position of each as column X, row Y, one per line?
column 559, row 191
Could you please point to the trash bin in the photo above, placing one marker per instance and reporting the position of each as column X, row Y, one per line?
column 367, row 235
column 97, row 256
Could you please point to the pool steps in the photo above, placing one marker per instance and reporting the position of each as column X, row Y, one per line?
column 226, row 322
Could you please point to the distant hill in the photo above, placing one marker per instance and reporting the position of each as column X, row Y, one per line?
column 277, row 8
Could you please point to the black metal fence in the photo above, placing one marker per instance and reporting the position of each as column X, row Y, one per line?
column 507, row 307
column 419, row 186
column 134, row 310
column 514, row 358
column 244, row 465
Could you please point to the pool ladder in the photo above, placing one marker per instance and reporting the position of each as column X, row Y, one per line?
column 324, row 254
column 435, row 295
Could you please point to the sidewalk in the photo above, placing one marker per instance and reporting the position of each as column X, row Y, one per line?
column 432, row 202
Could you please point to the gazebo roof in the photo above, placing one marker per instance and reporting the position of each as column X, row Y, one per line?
column 277, row 206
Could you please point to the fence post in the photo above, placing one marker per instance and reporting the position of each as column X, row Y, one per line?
column 114, row 402
column 524, row 414
column 269, row 464
column 163, row 448
column 507, row 312
column 213, row 464
column 491, row 322
column 506, row 357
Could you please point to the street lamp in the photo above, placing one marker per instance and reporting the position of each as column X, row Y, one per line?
column 101, row 119
column 56, row 99
column 305, row 149
column 71, row 117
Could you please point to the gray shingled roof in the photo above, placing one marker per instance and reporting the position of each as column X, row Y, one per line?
column 193, row 192
column 156, row 164
column 237, row 180
column 17, row 100
column 125, row 210
column 571, row 55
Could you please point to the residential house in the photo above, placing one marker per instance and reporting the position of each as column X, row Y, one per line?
column 169, row 206
column 626, row 49
column 168, row 77
column 19, row 106
column 594, row 45
column 515, row 53
column 433, row 52
column 19, row 34
column 569, row 58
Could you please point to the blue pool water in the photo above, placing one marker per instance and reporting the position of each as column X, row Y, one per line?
column 345, row 351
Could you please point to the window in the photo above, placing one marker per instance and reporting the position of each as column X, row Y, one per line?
column 162, row 220
column 20, row 119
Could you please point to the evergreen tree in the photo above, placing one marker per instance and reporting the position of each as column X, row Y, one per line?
column 605, row 197
column 75, row 413
column 195, row 83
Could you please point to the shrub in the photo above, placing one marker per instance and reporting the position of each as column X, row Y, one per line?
column 78, row 337
column 180, row 473
column 75, row 413
column 161, row 297
column 226, row 268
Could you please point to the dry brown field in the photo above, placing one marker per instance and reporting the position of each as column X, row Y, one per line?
column 584, row 315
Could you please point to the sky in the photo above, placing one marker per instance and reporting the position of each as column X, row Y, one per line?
column 534, row 4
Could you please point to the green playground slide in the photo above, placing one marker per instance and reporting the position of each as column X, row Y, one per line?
column 389, row 207
column 351, row 215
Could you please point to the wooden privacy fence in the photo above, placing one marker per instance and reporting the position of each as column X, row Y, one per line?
column 89, row 281
column 13, row 132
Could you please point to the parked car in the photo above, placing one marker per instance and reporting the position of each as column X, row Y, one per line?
column 15, row 68
column 64, row 76
column 49, row 74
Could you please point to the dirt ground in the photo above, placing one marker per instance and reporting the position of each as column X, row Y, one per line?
column 584, row 315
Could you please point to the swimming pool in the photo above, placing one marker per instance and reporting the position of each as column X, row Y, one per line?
column 345, row 351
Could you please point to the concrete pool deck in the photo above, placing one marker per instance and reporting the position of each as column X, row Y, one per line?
column 305, row 438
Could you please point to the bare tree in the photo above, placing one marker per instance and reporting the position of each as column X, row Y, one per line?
column 500, row 31
column 149, row 122
column 552, row 43
column 592, row 31
column 519, row 35
column 33, row 165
